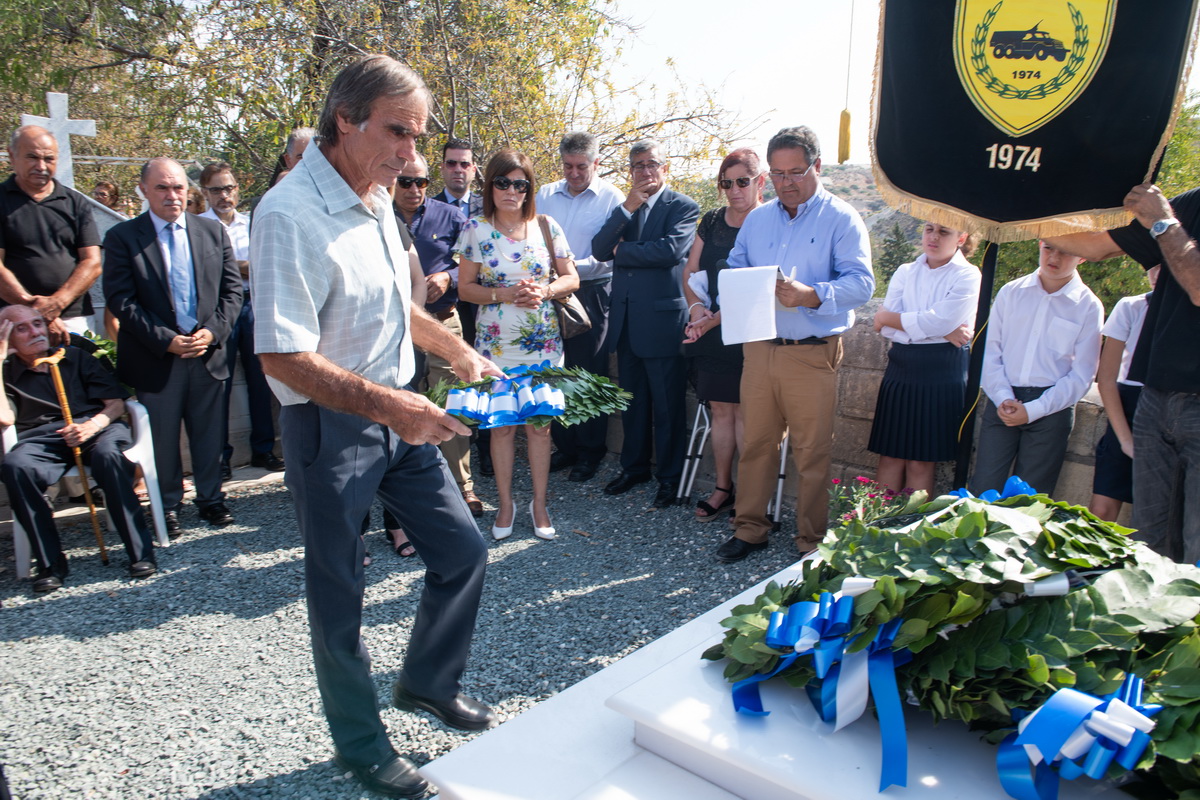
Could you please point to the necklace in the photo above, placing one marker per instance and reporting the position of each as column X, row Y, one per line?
column 508, row 229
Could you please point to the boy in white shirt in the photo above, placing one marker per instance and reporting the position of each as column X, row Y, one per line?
column 1042, row 351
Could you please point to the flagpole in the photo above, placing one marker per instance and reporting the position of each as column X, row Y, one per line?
column 966, row 435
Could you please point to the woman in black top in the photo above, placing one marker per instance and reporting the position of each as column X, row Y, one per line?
column 719, row 366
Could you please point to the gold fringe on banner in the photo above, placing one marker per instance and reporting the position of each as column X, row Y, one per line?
column 1021, row 230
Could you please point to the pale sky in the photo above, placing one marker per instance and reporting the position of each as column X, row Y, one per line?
column 785, row 62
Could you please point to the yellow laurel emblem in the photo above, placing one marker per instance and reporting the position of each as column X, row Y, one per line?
column 1023, row 61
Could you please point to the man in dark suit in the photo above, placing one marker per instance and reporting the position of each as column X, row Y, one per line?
column 171, row 280
column 648, row 238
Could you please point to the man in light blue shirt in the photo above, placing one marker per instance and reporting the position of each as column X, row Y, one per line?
column 789, row 384
column 580, row 203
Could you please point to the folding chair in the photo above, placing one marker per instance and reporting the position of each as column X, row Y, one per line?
column 701, row 427
column 141, row 453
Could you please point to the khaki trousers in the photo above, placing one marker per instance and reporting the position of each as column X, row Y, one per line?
column 456, row 451
column 787, row 389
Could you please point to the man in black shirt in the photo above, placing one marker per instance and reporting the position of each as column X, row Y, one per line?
column 1166, row 428
column 43, row 451
column 49, row 246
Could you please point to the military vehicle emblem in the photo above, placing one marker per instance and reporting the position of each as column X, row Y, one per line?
column 1023, row 62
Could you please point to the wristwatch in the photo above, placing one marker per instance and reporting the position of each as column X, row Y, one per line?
column 1160, row 227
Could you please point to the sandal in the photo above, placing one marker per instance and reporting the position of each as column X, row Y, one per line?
column 706, row 513
column 403, row 549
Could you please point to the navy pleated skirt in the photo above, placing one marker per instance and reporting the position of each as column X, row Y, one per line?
column 920, row 403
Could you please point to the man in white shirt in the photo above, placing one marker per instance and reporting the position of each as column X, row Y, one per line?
column 220, row 187
column 580, row 203
column 1043, row 348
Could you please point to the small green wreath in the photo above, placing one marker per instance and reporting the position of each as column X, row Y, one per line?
column 1006, row 90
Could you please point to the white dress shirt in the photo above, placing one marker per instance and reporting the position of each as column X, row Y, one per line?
column 239, row 236
column 932, row 302
column 1125, row 325
column 580, row 217
column 1041, row 339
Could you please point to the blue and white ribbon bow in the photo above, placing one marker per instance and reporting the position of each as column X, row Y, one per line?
column 1075, row 734
column 819, row 628
column 511, row 401
column 1013, row 487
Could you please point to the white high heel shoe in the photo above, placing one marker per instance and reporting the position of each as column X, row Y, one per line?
column 503, row 533
column 546, row 533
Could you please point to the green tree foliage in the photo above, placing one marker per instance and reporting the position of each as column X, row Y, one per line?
column 888, row 255
column 230, row 78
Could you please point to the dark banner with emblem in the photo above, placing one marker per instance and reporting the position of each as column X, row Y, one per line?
column 1023, row 118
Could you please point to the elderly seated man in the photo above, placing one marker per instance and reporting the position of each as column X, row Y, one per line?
column 43, row 451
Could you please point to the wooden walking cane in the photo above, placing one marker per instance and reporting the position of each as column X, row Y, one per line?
column 52, row 360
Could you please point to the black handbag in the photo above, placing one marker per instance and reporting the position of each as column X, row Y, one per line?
column 573, row 319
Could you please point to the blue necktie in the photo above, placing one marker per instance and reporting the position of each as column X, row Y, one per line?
column 183, row 288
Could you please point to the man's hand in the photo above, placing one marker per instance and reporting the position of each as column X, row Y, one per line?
column 77, row 433
column 48, row 306
column 1147, row 202
column 791, row 293
column 436, row 285
column 192, row 346
column 1012, row 413
column 959, row 336
column 639, row 193
column 57, row 333
column 469, row 366
column 418, row 421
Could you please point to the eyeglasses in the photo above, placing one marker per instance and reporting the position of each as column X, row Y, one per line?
column 219, row 190
column 646, row 166
column 795, row 177
column 406, row 182
column 743, row 182
column 503, row 183
column 452, row 163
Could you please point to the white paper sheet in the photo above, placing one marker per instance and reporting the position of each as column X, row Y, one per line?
column 747, row 304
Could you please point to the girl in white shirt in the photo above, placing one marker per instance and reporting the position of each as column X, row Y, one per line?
column 928, row 314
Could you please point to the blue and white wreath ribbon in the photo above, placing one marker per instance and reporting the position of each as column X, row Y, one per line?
column 1075, row 734
column 819, row 628
column 511, row 401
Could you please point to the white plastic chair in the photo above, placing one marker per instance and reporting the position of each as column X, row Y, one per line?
column 141, row 453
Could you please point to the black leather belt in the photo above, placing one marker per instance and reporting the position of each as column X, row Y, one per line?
column 809, row 340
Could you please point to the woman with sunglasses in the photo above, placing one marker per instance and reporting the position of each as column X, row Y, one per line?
column 506, row 268
column 719, row 366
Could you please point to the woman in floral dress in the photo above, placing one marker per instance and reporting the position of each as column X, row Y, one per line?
column 505, row 268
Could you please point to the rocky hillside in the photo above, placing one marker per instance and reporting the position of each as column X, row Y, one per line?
column 855, row 184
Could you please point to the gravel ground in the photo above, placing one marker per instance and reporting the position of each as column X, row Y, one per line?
column 198, row 682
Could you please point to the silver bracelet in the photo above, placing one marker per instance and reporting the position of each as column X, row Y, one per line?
column 693, row 305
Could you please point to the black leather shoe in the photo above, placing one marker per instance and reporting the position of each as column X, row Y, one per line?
column 560, row 460
column 485, row 462
column 624, row 482
column 174, row 529
column 583, row 471
column 48, row 580
column 736, row 549
column 395, row 777
column 142, row 569
column 462, row 712
column 666, row 494
column 268, row 461
column 216, row 514
column 226, row 471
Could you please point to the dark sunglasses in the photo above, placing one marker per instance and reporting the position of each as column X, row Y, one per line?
column 726, row 183
column 502, row 183
column 406, row 182
column 449, row 162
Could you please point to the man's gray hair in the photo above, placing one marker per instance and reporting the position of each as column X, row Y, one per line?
column 646, row 146
column 357, row 87
column 800, row 137
column 299, row 135
column 163, row 159
column 580, row 143
column 16, row 135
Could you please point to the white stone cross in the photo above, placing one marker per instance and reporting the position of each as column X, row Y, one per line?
column 62, row 128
